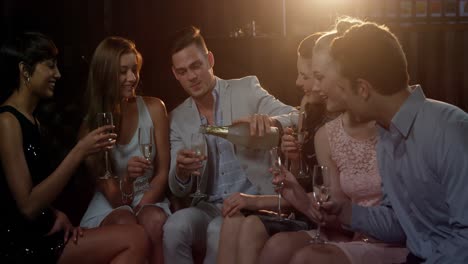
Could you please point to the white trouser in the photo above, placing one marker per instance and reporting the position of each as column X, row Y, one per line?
column 192, row 228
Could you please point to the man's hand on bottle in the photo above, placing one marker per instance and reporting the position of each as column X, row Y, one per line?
column 188, row 163
column 260, row 124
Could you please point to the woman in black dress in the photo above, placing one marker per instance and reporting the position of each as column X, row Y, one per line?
column 30, row 229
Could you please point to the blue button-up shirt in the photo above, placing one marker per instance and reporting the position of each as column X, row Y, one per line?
column 423, row 161
column 225, row 175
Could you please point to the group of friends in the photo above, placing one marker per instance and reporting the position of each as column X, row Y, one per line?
column 398, row 162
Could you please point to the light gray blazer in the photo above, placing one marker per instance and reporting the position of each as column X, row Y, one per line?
column 238, row 98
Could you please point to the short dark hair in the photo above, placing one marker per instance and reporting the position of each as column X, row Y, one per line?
column 306, row 46
column 29, row 48
column 371, row 52
column 186, row 37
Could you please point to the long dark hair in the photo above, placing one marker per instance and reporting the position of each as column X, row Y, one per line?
column 28, row 48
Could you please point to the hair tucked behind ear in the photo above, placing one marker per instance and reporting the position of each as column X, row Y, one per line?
column 28, row 48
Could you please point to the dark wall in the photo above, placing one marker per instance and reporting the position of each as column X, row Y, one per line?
column 437, row 50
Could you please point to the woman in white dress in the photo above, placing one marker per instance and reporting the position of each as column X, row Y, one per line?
column 134, row 191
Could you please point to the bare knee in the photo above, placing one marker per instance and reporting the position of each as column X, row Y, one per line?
column 252, row 231
column 252, row 226
column 275, row 244
column 119, row 217
column 232, row 224
column 320, row 254
column 137, row 239
column 152, row 218
column 302, row 256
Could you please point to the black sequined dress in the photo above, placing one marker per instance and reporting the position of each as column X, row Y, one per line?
column 23, row 240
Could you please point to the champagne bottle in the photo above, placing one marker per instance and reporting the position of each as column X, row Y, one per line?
column 239, row 134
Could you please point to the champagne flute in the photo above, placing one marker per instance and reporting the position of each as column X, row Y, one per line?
column 321, row 192
column 146, row 143
column 275, row 162
column 300, row 137
column 198, row 146
column 104, row 119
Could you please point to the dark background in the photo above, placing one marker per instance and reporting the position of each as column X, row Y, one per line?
column 436, row 46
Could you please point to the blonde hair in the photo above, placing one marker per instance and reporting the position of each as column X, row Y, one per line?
column 103, row 86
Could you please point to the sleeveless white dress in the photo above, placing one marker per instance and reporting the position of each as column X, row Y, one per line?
column 99, row 207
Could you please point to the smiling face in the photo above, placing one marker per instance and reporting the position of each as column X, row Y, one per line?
column 305, row 80
column 193, row 68
column 327, row 81
column 43, row 78
column 339, row 93
column 128, row 75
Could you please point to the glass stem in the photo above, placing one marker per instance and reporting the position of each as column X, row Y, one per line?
column 301, row 168
column 106, row 157
column 317, row 234
column 198, row 184
column 279, row 206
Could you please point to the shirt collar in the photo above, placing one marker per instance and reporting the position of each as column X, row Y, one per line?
column 404, row 118
column 215, row 93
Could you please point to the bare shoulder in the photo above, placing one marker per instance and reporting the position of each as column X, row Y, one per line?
column 10, row 132
column 156, row 108
column 154, row 104
column 321, row 135
column 8, row 123
column 322, row 146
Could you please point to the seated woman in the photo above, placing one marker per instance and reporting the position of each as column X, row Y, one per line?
column 135, row 192
column 242, row 237
column 31, row 231
column 346, row 146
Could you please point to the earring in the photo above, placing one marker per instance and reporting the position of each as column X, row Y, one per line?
column 28, row 79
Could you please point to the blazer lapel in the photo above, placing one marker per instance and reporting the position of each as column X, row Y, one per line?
column 225, row 102
column 193, row 117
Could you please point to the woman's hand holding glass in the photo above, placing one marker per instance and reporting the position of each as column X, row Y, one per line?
column 97, row 140
column 146, row 143
column 137, row 166
column 289, row 145
column 105, row 119
column 293, row 192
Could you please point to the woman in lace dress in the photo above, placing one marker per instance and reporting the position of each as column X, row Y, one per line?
column 137, row 193
column 346, row 146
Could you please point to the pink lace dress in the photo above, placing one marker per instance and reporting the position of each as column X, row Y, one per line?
column 356, row 160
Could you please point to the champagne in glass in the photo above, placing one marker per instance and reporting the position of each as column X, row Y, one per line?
column 104, row 119
column 275, row 162
column 300, row 137
column 146, row 143
column 321, row 192
column 197, row 144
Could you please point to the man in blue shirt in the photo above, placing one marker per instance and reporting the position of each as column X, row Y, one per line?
column 422, row 151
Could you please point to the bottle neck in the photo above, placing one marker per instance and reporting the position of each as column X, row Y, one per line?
column 221, row 131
